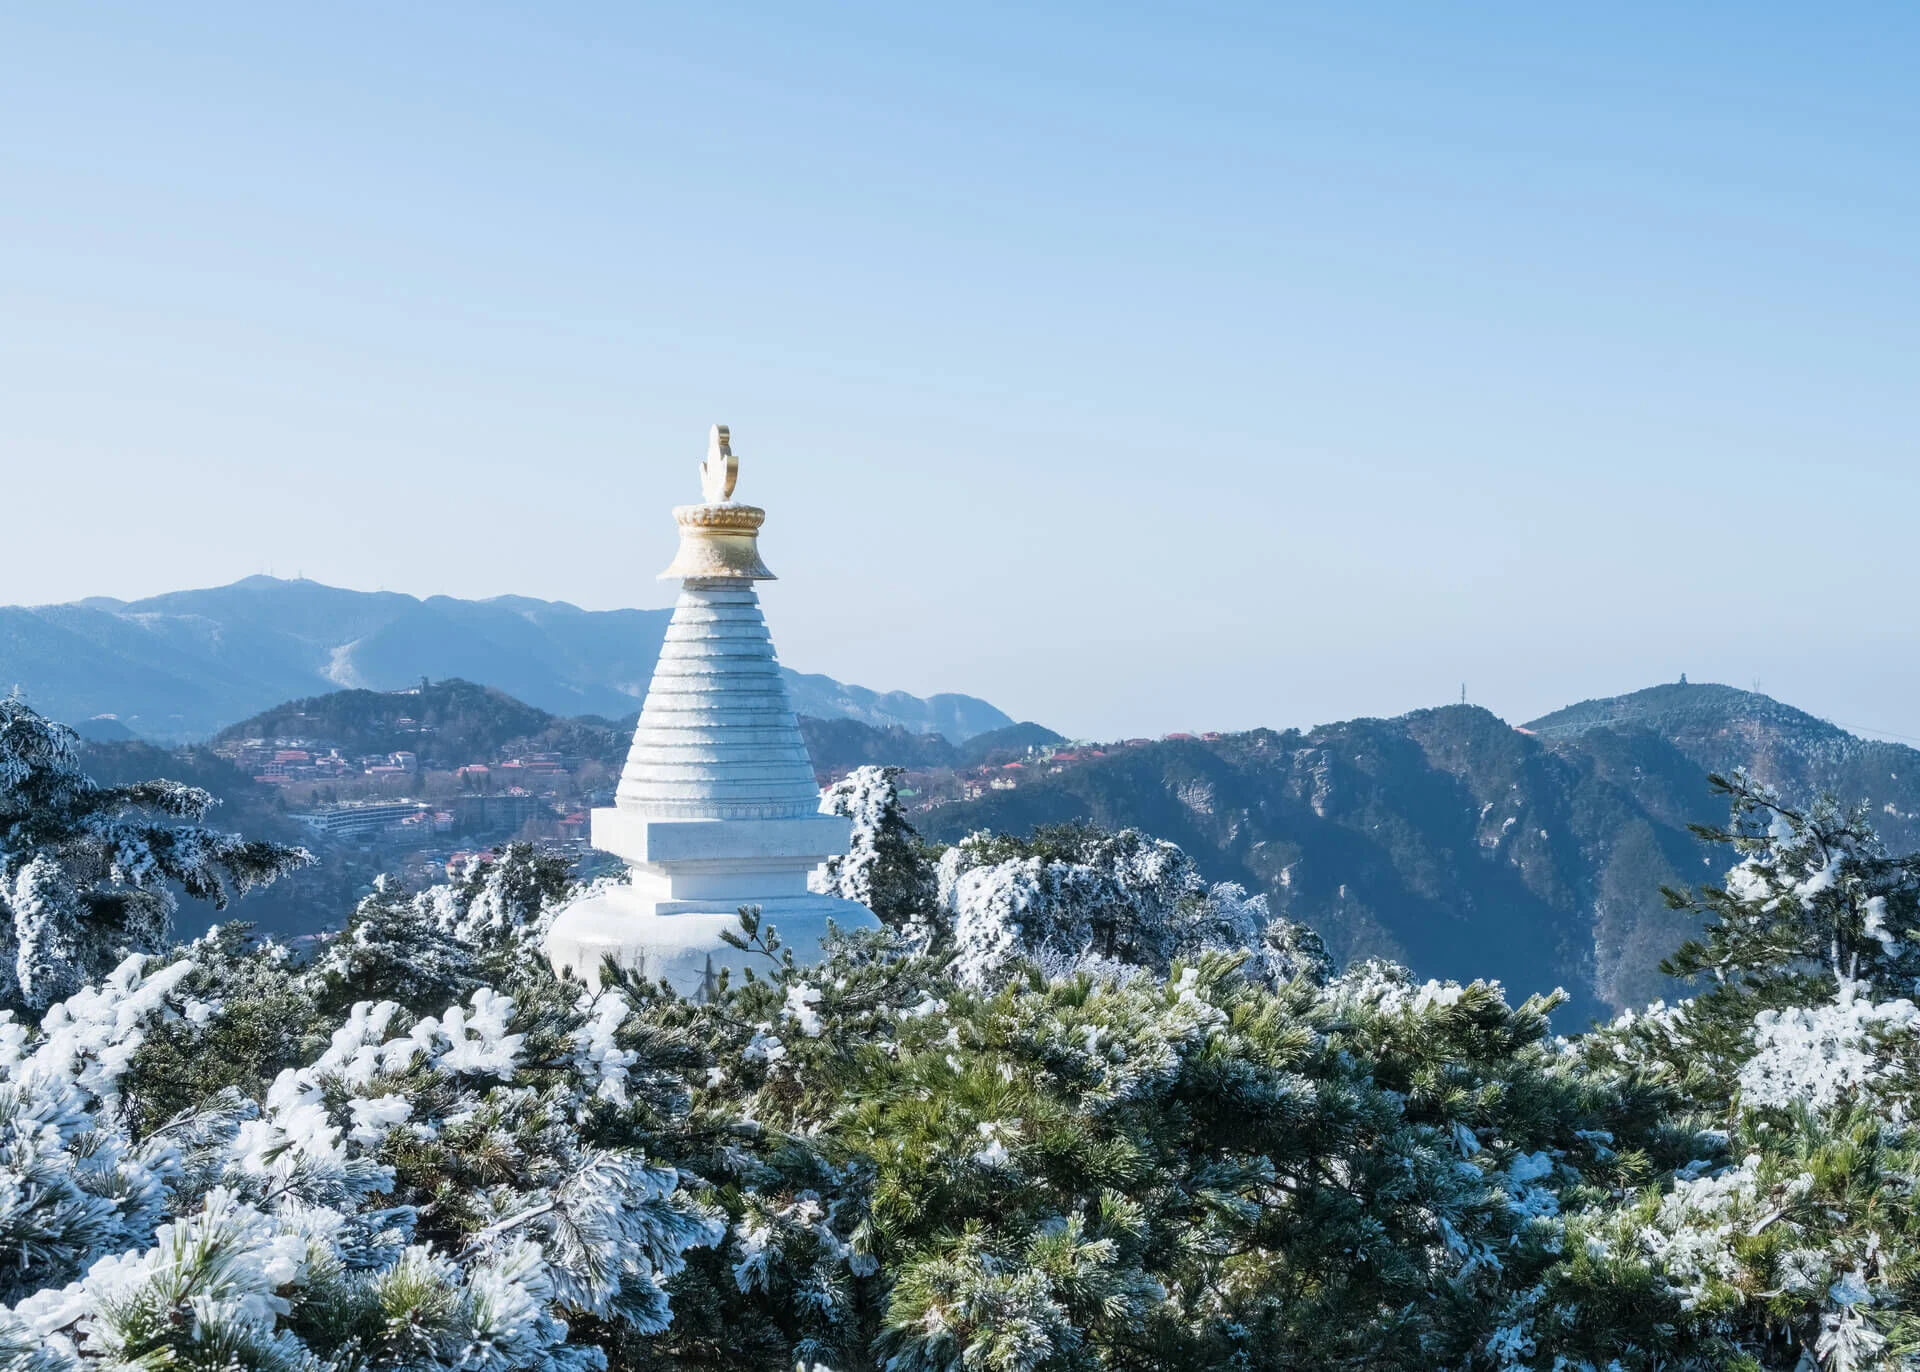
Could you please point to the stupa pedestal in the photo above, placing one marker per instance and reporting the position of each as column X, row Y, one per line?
column 717, row 806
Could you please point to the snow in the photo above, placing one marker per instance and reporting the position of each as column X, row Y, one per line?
column 289, row 1176
column 598, row 1056
column 1692, row 1239
column 476, row 1040
column 1122, row 899
column 1820, row 1055
column 993, row 1153
column 91, row 1036
column 373, row 1117
column 764, row 1047
column 1874, row 924
column 801, row 999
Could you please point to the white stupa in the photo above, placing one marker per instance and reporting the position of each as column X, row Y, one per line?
column 717, row 807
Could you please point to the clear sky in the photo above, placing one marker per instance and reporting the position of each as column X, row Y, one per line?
column 1138, row 369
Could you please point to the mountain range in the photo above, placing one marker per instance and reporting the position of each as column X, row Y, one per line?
column 1445, row 838
column 186, row 664
column 1463, row 846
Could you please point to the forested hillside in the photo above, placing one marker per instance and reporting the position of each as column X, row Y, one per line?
column 446, row 723
column 1462, row 846
column 1445, row 839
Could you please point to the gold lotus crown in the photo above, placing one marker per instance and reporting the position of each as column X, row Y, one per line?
column 719, row 540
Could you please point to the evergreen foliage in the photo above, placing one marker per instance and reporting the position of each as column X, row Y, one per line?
column 1156, row 1130
column 87, row 871
column 886, row 868
column 1073, row 893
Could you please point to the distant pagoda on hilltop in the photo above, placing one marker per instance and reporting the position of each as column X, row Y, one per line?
column 717, row 807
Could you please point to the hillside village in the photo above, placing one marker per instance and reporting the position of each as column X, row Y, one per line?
column 452, row 758
column 528, row 793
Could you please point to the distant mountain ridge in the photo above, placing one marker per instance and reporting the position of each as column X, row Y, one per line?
column 187, row 664
column 450, row 723
column 1680, row 707
column 837, row 746
column 1463, row 846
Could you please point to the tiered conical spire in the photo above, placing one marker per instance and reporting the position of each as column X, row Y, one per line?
column 718, row 738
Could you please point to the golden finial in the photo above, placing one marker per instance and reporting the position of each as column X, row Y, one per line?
column 721, row 469
column 718, row 540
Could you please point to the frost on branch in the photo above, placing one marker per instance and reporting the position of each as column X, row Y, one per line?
column 86, row 871
column 884, row 867
column 360, row 1204
column 1075, row 892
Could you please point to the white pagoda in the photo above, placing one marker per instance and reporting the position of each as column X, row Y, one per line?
column 717, row 807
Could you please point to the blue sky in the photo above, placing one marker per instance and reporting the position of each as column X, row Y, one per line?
column 1136, row 368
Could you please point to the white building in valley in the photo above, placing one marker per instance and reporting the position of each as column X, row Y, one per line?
column 717, row 807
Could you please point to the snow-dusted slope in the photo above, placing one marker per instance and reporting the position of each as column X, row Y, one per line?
column 184, row 665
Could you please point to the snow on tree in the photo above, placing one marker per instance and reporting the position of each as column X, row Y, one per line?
column 85, row 869
column 885, row 867
column 1789, row 1239
column 1849, row 1049
column 1813, row 907
column 491, row 900
column 1080, row 1109
column 1075, row 891
column 435, row 1191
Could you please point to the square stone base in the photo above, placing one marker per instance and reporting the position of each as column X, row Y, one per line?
column 684, row 945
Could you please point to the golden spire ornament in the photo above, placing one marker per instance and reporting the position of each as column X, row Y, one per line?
column 721, row 470
column 719, row 540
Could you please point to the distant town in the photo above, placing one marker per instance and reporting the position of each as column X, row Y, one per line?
column 426, row 816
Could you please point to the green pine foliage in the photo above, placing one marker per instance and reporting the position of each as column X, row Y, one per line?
column 1155, row 1129
column 88, row 873
column 887, row 869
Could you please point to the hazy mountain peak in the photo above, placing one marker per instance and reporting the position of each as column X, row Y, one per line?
column 186, row 663
column 1683, row 705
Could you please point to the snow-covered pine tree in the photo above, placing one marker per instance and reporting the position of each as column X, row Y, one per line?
column 1076, row 894
column 463, row 1182
column 886, row 867
column 86, row 870
column 1790, row 1239
column 1152, row 1132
